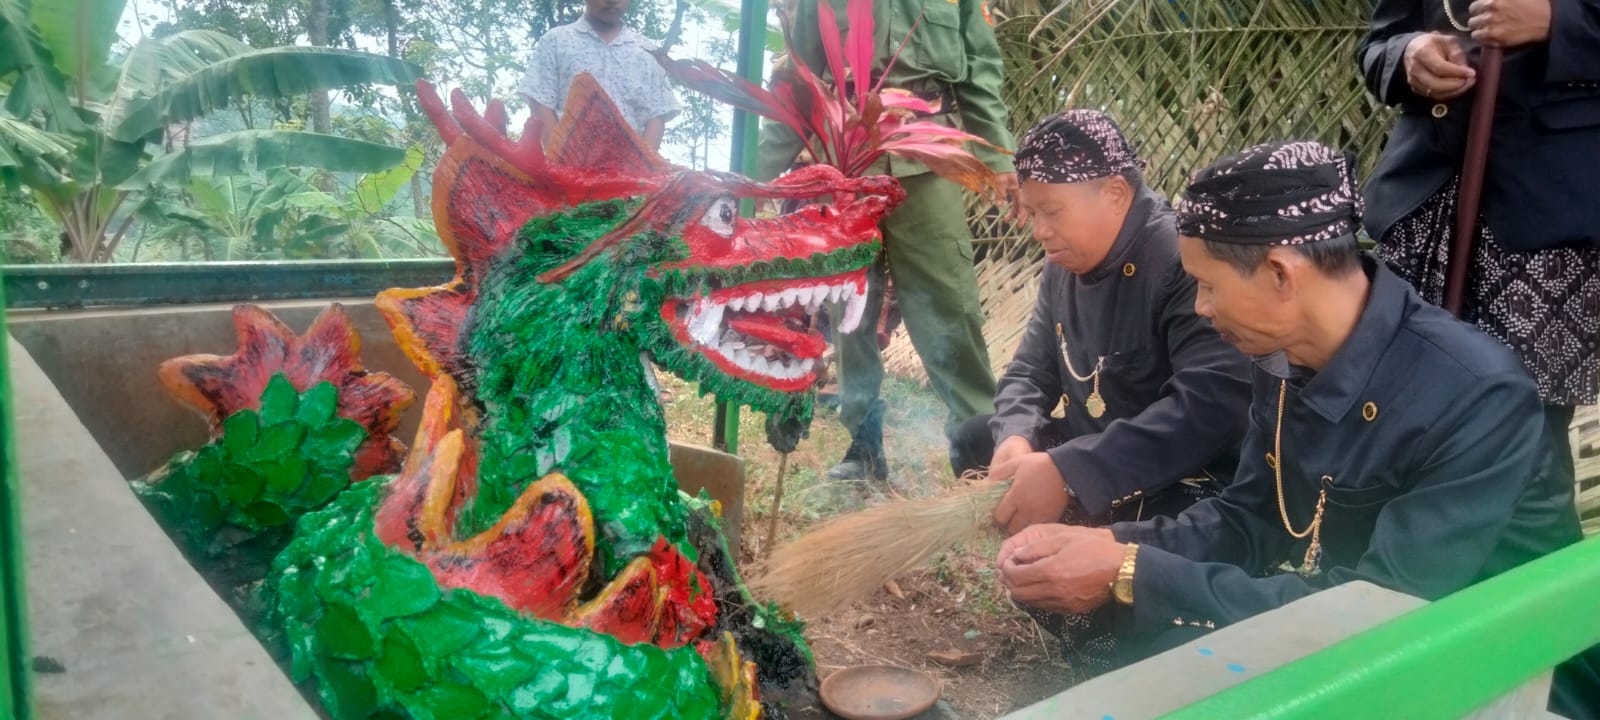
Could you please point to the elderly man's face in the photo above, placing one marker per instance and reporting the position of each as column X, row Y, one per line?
column 1254, row 312
column 1077, row 223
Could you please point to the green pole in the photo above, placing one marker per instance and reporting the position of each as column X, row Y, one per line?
column 14, row 668
column 742, row 160
column 1443, row 660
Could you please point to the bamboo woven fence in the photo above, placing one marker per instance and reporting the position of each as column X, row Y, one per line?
column 1189, row 81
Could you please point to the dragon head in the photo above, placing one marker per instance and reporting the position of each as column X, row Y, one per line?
column 619, row 240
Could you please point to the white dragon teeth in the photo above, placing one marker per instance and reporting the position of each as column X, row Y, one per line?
column 706, row 322
column 804, row 295
column 852, row 311
column 736, row 304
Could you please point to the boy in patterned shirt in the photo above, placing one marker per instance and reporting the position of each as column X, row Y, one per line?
column 618, row 57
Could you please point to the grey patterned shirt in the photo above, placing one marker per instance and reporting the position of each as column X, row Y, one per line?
column 624, row 67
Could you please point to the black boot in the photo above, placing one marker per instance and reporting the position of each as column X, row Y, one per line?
column 864, row 458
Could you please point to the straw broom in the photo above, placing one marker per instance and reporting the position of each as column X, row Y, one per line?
column 849, row 557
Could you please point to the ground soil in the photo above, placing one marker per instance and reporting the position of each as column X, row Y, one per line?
column 954, row 608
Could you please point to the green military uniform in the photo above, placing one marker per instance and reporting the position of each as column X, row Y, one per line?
column 928, row 248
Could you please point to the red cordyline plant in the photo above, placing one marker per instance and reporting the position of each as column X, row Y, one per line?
column 854, row 123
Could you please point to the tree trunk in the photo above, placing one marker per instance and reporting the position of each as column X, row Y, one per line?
column 317, row 31
column 391, row 25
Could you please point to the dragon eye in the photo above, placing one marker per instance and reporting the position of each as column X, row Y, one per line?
column 720, row 216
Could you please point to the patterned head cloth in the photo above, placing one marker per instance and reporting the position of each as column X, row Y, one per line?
column 1072, row 147
column 1286, row 193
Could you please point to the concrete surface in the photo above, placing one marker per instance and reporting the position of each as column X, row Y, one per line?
column 1237, row 653
column 104, row 361
column 136, row 632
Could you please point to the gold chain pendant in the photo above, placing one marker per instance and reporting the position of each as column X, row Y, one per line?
column 1094, row 404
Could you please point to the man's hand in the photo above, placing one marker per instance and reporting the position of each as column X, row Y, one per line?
column 1037, row 493
column 1061, row 568
column 1436, row 66
column 1008, row 186
column 1012, row 448
column 1509, row 23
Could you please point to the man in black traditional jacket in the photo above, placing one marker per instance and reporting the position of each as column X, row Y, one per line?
column 1118, row 392
column 1121, row 403
column 1388, row 441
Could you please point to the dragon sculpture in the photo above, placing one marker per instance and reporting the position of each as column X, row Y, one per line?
column 530, row 555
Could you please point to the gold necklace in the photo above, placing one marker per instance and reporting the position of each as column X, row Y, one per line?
column 1274, row 459
column 1450, row 14
column 1094, row 404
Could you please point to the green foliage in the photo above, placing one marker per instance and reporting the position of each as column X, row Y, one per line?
column 283, row 215
column 252, row 151
column 700, row 125
column 269, row 466
column 75, row 129
column 26, row 235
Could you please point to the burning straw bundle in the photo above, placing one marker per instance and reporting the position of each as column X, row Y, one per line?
column 851, row 556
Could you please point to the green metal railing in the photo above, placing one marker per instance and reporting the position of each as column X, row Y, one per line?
column 1443, row 660
column 742, row 160
column 14, row 667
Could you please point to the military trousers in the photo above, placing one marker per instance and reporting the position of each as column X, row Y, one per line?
column 928, row 255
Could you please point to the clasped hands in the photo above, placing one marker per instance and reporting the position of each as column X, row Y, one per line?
column 1045, row 564
column 1436, row 63
column 1060, row 568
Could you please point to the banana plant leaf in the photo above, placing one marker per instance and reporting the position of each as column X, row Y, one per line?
column 250, row 151
column 79, row 33
column 272, row 73
column 38, row 84
column 374, row 191
column 27, row 149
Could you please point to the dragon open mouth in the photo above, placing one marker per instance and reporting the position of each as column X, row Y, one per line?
column 761, row 331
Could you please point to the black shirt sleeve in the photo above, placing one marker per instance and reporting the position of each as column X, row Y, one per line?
column 1382, row 51
column 1031, row 385
column 1202, row 412
column 1433, row 538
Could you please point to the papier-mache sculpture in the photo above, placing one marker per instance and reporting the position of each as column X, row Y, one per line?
column 532, row 556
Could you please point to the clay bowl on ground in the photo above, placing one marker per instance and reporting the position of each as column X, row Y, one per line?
column 879, row 692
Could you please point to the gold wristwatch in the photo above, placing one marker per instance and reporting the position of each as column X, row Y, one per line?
column 1122, row 588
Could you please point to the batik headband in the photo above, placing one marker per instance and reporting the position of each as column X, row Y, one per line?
column 1074, row 146
column 1274, row 194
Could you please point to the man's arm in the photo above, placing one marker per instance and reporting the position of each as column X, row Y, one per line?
column 1395, row 23
column 542, row 86
column 660, row 104
column 1574, row 41
column 779, row 145
column 1431, row 540
column 547, row 121
column 983, row 113
column 1203, row 411
column 1031, row 385
column 1237, row 527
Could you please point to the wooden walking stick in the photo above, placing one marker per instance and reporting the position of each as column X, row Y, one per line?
column 1472, row 170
